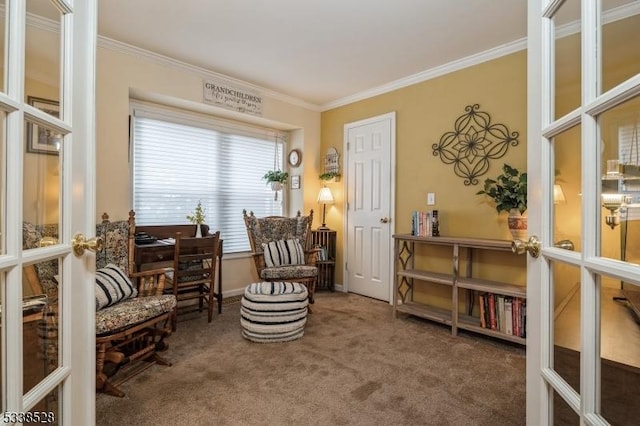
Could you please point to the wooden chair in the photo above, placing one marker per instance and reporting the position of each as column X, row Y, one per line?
column 267, row 233
column 134, row 328
column 194, row 273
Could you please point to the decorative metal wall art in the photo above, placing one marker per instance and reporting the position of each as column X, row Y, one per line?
column 473, row 142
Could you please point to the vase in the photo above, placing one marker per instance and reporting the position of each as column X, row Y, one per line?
column 198, row 231
column 517, row 224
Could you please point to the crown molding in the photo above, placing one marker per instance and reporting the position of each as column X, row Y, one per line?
column 107, row 43
column 429, row 74
column 570, row 28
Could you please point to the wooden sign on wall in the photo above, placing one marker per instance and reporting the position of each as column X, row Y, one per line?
column 233, row 98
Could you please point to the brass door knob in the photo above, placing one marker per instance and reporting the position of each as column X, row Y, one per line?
column 384, row 220
column 532, row 246
column 80, row 244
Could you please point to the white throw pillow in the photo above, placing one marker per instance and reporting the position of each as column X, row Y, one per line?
column 283, row 252
column 112, row 286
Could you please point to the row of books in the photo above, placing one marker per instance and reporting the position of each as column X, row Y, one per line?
column 322, row 254
column 425, row 224
column 505, row 314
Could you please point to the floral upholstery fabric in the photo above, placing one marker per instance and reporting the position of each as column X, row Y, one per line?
column 47, row 270
column 115, row 237
column 269, row 229
column 130, row 312
column 289, row 273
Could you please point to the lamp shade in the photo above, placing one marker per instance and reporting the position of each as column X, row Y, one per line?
column 558, row 195
column 325, row 196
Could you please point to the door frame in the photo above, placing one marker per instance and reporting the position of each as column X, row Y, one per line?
column 391, row 116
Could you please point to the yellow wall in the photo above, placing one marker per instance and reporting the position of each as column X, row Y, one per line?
column 424, row 112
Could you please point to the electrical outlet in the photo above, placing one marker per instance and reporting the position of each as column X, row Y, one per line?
column 431, row 198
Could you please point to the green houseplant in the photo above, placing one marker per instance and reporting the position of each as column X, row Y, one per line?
column 508, row 190
column 330, row 176
column 276, row 176
column 197, row 217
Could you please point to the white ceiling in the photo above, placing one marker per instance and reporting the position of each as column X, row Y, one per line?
column 316, row 51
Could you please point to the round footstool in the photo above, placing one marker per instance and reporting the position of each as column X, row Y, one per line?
column 274, row 311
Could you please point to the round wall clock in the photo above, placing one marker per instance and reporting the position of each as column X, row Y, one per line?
column 295, row 157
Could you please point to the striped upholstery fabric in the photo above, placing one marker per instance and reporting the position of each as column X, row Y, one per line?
column 283, row 252
column 274, row 311
column 112, row 286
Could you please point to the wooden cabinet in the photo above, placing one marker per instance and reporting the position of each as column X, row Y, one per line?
column 325, row 239
column 465, row 289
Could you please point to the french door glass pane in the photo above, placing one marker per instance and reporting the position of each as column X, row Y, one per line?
column 620, row 171
column 620, row 41
column 43, row 55
column 41, row 321
column 563, row 414
column 619, row 351
column 567, row 83
column 41, row 192
column 3, row 19
column 48, row 409
column 567, row 207
column 3, row 180
column 566, row 322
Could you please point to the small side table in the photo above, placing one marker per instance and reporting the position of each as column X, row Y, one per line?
column 326, row 240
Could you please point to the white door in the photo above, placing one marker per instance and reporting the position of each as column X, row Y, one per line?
column 583, row 343
column 47, row 195
column 370, row 159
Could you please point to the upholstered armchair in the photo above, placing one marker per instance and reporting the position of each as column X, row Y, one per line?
column 281, row 248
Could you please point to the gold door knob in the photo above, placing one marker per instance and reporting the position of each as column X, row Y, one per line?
column 80, row 244
column 532, row 246
column 384, row 220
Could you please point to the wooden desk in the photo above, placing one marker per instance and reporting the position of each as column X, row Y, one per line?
column 162, row 252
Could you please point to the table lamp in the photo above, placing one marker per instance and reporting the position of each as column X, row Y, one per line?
column 325, row 197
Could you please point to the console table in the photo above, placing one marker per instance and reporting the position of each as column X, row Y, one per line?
column 157, row 252
column 463, row 286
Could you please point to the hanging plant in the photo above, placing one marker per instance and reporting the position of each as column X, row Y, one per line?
column 329, row 176
column 276, row 176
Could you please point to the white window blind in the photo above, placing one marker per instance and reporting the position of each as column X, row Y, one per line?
column 175, row 165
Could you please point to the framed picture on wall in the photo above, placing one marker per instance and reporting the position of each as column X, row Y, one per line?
column 295, row 182
column 39, row 139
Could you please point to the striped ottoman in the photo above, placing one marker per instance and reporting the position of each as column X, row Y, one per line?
column 274, row 311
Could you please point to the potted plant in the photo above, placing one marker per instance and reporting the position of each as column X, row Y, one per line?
column 335, row 176
column 197, row 217
column 276, row 178
column 509, row 191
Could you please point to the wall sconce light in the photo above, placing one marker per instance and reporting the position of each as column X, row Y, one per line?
column 613, row 202
column 325, row 197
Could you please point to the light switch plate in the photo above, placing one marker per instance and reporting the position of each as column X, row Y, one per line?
column 431, row 198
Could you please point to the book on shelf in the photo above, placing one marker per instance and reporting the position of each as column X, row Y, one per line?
column 502, row 313
column 425, row 223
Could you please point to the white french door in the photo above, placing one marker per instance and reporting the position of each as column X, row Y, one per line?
column 370, row 148
column 47, row 182
column 583, row 343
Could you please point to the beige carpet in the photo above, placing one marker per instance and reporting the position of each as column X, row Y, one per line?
column 355, row 365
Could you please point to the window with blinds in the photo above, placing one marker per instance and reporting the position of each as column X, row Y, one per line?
column 176, row 164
